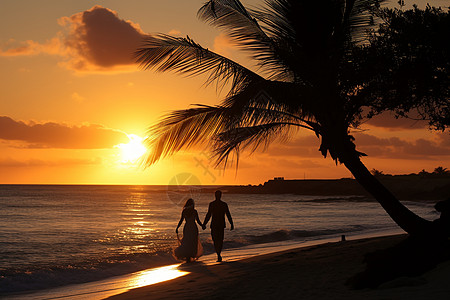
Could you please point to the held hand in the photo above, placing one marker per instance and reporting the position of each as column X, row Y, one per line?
column 232, row 227
column 203, row 226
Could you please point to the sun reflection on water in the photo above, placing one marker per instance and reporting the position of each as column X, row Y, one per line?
column 156, row 275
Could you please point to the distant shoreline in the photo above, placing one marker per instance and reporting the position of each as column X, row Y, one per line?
column 405, row 187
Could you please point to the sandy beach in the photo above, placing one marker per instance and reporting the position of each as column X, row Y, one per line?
column 316, row 272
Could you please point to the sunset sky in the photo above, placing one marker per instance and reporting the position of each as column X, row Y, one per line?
column 73, row 102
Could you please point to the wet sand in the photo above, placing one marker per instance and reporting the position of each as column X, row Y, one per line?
column 315, row 272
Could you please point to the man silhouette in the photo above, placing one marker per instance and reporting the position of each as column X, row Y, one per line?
column 217, row 210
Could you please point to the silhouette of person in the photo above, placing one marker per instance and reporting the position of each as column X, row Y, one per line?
column 217, row 210
column 189, row 246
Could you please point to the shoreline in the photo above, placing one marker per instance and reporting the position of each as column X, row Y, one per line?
column 110, row 286
column 313, row 272
column 273, row 271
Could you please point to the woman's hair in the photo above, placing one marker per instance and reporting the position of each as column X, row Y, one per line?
column 189, row 202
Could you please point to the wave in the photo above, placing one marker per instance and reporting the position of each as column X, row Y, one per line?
column 281, row 235
column 38, row 278
column 333, row 199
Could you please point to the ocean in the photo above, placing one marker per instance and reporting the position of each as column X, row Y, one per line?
column 56, row 235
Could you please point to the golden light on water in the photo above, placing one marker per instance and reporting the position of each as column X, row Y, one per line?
column 157, row 275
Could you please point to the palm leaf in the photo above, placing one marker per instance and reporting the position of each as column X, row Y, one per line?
column 183, row 55
column 359, row 16
column 243, row 28
column 300, row 43
column 182, row 129
column 277, row 95
column 232, row 17
column 250, row 138
column 309, row 37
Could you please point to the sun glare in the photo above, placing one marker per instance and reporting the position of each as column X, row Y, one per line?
column 157, row 275
column 133, row 150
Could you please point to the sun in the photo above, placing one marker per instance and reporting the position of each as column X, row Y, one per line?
column 133, row 150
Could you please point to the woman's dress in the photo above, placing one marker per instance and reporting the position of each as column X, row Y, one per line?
column 189, row 246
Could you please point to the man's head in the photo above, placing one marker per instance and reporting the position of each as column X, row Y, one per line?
column 218, row 194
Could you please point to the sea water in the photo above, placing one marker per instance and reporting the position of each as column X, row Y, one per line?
column 55, row 235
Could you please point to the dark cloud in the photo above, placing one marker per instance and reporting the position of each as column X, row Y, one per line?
column 444, row 138
column 394, row 147
column 54, row 135
column 388, row 121
column 426, row 147
column 364, row 139
column 382, row 147
column 93, row 40
column 99, row 38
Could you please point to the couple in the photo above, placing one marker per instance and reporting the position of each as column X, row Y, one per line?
column 190, row 246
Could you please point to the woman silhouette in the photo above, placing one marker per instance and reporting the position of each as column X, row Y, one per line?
column 189, row 247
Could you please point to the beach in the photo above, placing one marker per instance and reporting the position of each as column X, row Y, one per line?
column 315, row 272
column 57, row 244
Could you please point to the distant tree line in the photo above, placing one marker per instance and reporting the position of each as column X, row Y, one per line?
column 438, row 172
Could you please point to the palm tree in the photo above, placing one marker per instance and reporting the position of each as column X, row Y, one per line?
column 441, row 171
column 306, row 55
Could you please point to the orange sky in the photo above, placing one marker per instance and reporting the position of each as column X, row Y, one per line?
column 70, row 93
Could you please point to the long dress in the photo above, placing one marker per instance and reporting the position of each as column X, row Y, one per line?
column 189, row 246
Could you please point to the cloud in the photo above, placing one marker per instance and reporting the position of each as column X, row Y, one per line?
column 77, row 97
column 444, row 138
column 395, row 147
column 29, row 47
column 175, row 32
column 12, row 163
column 388, row 121
column 223, row 45
column 93, row 40
column 305, row 147
column 98, row 38
column 54, row 135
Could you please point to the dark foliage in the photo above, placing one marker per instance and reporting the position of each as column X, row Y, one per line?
column 405, row 67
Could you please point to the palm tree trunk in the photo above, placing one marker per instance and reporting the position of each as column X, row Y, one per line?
column 406, row 219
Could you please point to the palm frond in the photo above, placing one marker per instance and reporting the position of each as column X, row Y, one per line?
column 301, row 43
column 258, row 115
column 276, row 96
column 182, row 129
column 238, row 23
column 235, row 140
column 300, row 33
column 243, row 28
column 310, row 36
column 359, row 17
column 166, row 53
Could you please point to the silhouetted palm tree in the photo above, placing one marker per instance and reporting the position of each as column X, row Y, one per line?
column 441, row 171
column 305, row 52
